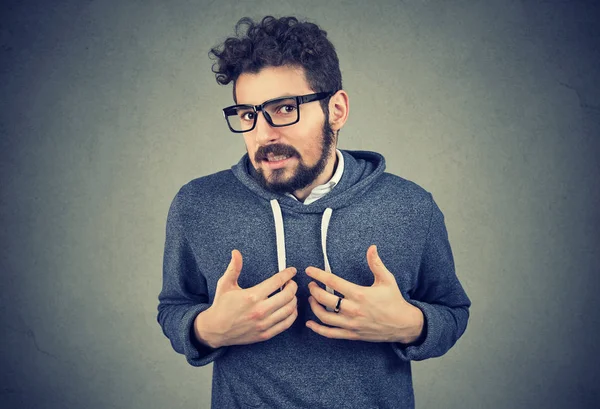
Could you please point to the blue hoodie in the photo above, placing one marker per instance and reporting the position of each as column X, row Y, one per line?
column 212, row 215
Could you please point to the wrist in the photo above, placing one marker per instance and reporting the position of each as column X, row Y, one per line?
column 416, row 329
column 201, row 330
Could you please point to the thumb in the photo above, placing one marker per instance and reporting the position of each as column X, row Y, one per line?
column 231, row 275
column 380, row 271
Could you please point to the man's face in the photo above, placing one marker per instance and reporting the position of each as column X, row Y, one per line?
column 308, row 143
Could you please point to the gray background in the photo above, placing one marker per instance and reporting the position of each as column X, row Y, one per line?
column 108, row 107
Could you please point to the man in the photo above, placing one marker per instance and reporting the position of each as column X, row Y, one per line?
column 308, row 275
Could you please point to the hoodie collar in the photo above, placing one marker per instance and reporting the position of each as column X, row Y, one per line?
column 321, row 190
column 361, row 170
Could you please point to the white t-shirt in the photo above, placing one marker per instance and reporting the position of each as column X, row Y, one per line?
column 321, row 190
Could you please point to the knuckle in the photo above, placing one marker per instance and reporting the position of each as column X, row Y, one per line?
column 351, row 312
column 291, row 310
column 293, row 286
column 263, row 336
column 360, row 296
column 358, row 313
column 261, row 326
column 251, row 297
column 352, row 325
column 259, row 313
column 292, row 318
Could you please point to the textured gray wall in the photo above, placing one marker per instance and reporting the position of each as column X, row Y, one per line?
column 108, row 107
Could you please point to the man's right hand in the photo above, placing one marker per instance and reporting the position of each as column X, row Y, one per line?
column 244, row 316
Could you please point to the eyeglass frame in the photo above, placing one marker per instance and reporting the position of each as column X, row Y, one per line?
column 301, row 99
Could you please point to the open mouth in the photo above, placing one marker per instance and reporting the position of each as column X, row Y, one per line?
column 276, row 161
column 276, row 158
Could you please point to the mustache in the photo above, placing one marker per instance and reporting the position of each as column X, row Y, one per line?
column 277, row 149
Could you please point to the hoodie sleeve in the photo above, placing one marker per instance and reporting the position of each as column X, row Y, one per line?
column 184, row 293
column 438, row 294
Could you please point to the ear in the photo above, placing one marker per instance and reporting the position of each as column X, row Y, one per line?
column 339, row 107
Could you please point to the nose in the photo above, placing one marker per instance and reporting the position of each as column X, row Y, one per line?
column 264, row 132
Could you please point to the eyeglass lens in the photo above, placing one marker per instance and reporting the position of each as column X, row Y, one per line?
column 280, row 112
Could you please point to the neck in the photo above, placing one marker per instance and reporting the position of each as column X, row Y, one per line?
column 327, row 174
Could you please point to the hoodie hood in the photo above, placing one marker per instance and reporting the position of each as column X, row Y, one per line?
column 361, row 170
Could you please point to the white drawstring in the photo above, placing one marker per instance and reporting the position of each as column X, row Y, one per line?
column 279, row 235
column 280, row 239
column 324, row 226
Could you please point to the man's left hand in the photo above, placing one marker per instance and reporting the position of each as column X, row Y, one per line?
column 378, row 313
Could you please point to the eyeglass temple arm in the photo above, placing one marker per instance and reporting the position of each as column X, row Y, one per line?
column 315, row 97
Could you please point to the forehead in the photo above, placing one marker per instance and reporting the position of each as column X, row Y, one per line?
column 269, row 83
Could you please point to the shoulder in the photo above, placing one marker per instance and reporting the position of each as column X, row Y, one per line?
column 398, row 188
column 396, row 196
column 205, row 191
column 208, row 184
column 402, row 196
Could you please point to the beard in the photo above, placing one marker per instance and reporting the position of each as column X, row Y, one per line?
column 303, row 175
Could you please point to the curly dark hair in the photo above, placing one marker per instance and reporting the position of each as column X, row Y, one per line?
column 279, row 42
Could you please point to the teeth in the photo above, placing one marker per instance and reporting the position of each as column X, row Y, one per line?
column 272, row 158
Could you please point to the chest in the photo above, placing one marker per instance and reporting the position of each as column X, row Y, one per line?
column 398, row 236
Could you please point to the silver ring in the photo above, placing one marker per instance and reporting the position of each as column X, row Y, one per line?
column 337, row 307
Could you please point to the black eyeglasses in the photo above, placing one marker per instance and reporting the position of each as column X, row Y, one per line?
column 278, row 112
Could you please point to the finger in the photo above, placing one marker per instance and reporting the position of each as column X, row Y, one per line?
column 267, row 287
column 273, row 303
column 327, row 299
column 232, row 273
column 329, row 318
column 279, row 315
column 337, row 333
column 379, row 270
column 280, row 326
column 331, row 280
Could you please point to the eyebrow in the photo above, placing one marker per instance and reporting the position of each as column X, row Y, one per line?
column 271, row 99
